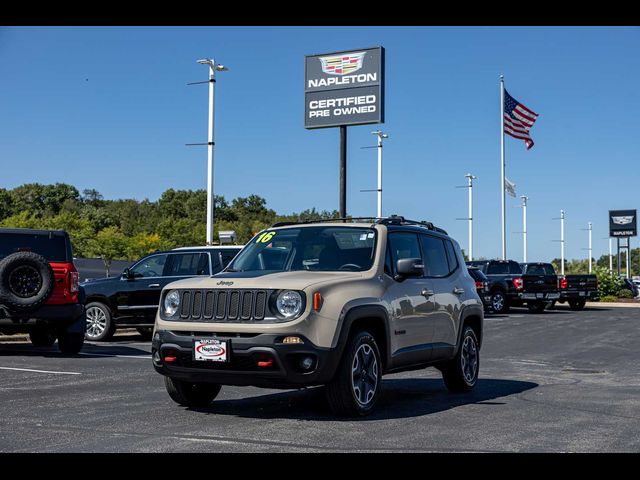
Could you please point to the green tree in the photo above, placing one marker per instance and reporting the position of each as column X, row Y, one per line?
column 142, row 244
column 109, row 244
column 608, row 283
column 6, row 204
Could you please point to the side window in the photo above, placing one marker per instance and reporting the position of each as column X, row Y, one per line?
column 403, row 245
column 215, row 262
column 498, row 268
column 514, row 269
column 451, row 254
column 187, row 264
column 150, row 267
column 227, row 256
column 435, row 257
column 388, row 265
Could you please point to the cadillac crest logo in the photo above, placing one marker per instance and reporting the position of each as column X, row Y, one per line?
column 342, row 64
column 623, row 220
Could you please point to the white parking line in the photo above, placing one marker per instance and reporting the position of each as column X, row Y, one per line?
column 39, row 371
column 146, row 357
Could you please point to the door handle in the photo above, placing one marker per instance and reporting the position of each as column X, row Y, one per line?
column 458, row 291
column 154, row 285
column 427, row 293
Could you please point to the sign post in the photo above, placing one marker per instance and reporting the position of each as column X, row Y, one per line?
column 341, row 89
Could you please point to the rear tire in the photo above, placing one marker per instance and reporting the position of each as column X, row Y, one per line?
column 42, row 338
column 70, row 343
column 191, row 394
column 499, row 302
column 100, row 326
column 537, row 307
column 460, row 374
column 26, row 281
column 577, row 304
column 356, row 385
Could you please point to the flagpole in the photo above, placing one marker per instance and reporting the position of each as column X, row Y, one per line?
column 502, row 199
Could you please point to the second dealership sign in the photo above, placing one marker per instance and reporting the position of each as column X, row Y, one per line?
column 344, row 88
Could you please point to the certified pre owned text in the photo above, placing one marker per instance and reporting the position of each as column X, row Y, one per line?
column 342, row 106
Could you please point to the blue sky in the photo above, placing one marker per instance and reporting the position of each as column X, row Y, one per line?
column 108, row 108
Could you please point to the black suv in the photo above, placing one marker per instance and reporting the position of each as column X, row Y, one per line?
column 131, row 300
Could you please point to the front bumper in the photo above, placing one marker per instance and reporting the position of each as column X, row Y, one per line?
column 244, row 354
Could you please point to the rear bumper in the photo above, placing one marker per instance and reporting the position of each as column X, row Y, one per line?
column 242, row 368
column 543, row 296
column 52, row 316
column 578, row 295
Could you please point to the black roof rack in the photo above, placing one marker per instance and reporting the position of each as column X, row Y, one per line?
column 324, row 220
column 399, row 220
column 391, row 220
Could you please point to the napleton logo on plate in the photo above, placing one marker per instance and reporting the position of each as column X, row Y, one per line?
column 622, row 220
column 210, row 350
column 342, row 64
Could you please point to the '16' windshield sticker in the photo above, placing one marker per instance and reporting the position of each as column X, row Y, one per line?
column 265, row 237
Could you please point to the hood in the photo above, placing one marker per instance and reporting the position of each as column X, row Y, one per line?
column 297, row 280
column 98, row 281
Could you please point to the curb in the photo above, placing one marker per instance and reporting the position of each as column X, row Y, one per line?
column 613, row 304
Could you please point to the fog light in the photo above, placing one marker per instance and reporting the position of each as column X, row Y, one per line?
column 170, row 359
column 292, row 340
column 307, row 363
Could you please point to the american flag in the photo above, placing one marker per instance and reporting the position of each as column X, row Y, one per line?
column 518, row 119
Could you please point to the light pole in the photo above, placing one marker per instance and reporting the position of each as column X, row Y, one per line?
column 590, row 249
column 561, row 218
column 381, row 136
column 469, row 219
column 610, row 257
column 213, row 68
column 524, row 227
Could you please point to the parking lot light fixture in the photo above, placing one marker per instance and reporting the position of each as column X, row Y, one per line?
column 213, row 68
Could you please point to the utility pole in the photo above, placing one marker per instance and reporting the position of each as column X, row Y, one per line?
column 381, row 136
column 562, row 241
column 590, row 249
column 524, row 227
column 213, row 67
column 610, row 257
column 469, row 186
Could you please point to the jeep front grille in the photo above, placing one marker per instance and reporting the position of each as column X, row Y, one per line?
column 221, row 305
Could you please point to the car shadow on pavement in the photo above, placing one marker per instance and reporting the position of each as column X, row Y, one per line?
column 401, row 398
column 88, row 350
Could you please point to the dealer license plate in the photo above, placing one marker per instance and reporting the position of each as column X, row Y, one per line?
column 582, row 294
column 210, row 350
column 540, row 295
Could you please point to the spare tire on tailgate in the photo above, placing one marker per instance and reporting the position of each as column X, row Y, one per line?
column 26, row 281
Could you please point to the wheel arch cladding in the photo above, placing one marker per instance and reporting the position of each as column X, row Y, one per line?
column 372, row 319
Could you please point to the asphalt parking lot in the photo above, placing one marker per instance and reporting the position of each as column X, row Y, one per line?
column 557, row 381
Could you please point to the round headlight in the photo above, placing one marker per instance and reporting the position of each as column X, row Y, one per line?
column 289, row 303
column 171, row 303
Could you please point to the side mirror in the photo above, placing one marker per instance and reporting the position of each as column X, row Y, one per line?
column 126, row 274
column 409, row 267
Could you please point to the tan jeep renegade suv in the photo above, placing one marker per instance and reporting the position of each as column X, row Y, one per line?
column 335, row 304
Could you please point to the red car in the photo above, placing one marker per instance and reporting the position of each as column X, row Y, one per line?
column 39, row 288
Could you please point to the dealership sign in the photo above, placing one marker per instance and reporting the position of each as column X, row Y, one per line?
column 344, row 88
column 623, row 223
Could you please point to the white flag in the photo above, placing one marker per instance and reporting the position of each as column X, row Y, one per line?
column 510, row 187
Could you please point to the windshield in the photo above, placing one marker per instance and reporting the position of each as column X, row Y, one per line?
column 322, row 249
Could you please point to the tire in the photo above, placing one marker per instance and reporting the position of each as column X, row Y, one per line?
column 460, row 374
column 355, row 394
column 70, row 343
column 26, row 281
column 499, row 303
column 537, row 307
column 577, row 304
column 100, row 326
column 191, row 394
column 146, row 332
column 41, row 337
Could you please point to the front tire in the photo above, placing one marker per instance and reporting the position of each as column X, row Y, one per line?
column 42, row 338
column 191, row 394
column 499, row 302
column 356, row 385
column 461, row 373
column 100, row 325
